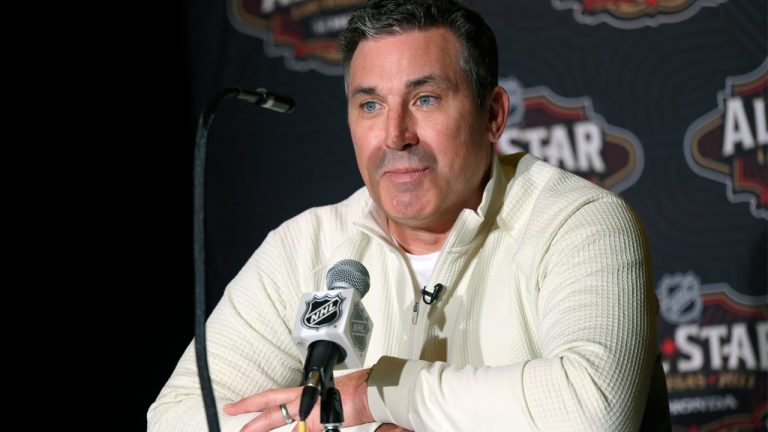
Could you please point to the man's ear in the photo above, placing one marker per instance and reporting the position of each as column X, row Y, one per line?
column 498, row 109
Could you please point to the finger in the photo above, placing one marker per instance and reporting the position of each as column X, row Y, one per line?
column 272, row 418
column 389, row 427
column 263, row 400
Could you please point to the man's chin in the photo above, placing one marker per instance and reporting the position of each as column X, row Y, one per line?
column 407, row 218
column 410, row 208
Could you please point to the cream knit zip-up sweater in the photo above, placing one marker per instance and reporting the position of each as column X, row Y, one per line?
column 546, row 321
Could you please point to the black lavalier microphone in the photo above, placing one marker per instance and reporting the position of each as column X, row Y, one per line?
column 431, row 296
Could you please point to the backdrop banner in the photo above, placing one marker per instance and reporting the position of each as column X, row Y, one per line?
column 662, row 102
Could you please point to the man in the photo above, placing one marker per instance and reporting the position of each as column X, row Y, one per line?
column 546, row 319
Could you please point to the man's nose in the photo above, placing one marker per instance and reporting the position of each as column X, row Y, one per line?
column 401, row 131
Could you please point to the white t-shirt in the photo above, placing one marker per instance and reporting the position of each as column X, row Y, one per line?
column 422, row 266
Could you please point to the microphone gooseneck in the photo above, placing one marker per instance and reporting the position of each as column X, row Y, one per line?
column 267, row 99
column 198, row 235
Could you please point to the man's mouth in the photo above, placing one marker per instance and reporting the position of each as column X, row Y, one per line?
column 405, row 174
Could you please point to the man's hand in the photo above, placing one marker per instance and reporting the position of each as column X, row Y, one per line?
column 389, row 427
column 354, row 399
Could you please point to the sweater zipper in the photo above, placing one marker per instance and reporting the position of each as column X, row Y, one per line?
column 415, row 312
column 414, row 322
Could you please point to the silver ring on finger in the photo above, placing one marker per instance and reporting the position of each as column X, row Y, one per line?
column 286, row 414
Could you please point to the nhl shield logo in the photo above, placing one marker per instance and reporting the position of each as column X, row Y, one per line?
column 322, row 311
column 680, row 298
column 360, row 328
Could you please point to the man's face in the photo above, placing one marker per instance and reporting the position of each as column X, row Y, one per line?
column 423, row 145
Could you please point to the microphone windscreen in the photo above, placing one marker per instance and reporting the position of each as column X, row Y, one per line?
column 349, row 273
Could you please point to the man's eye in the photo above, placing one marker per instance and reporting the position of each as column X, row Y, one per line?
column 369, row 106
column 425, row 100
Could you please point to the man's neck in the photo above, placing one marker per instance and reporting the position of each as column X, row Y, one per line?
column 416, row 241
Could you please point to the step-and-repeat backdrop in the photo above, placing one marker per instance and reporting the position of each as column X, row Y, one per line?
column 660, row 101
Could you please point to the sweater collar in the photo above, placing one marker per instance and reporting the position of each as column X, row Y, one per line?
column 467, row 225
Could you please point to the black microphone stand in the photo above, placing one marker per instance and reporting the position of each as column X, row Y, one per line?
column 262, row 98
column 331, row 412
column 322, row 356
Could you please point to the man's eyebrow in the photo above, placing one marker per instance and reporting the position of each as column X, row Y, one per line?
column 366, row 91
column 410, row 85
column 426, row 79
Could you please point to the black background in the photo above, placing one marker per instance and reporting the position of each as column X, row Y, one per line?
column 98, row 158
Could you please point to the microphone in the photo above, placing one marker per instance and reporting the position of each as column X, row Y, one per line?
column 267, row 99
column 430, row 297
column 332, row 328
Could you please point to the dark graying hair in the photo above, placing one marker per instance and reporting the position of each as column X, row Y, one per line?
column 479, row 57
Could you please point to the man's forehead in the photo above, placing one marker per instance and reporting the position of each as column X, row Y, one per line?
column 408, row 60
column 439, row 38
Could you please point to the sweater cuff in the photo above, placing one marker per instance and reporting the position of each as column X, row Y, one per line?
column 390, row 388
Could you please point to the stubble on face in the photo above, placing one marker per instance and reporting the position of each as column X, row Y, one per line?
column 422, row 164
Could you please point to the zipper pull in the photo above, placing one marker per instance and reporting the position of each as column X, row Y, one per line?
column 415, row 312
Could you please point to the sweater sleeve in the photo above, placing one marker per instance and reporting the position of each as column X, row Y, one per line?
column 249, row 348
column 249, row 342
column 596, row 333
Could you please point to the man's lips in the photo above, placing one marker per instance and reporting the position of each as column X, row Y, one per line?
column 405, row 174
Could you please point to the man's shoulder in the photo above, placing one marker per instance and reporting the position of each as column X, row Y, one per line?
column 538, row 189
column 537, row 176
column 352, row 207
column 330, row 219
column 307, row 238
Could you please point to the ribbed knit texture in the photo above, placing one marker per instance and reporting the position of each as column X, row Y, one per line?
column 546, row 321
